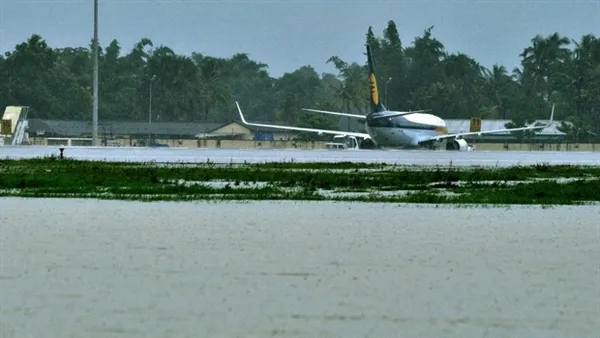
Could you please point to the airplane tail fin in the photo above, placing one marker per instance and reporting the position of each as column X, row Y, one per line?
column 376, row 105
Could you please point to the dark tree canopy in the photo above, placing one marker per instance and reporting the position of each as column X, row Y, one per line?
column 56, row 83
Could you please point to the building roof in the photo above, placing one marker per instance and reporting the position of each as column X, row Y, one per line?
column 261, row 129
column 79, row 128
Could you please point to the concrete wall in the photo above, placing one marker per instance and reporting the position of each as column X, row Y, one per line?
column 538, row 147
column 207, row 143
column 249, row 144
column 283, row 144
column 282, row 135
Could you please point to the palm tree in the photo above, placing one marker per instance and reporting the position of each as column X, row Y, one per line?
column 542, row 59
column 496, row 81
column 213, row 89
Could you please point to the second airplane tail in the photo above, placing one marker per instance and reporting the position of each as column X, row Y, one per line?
column 374, row 100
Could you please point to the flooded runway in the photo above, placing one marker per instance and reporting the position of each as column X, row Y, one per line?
column 402, row 157
column 86, row 268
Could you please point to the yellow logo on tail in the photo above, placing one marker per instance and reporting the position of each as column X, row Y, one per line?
column 374, row 91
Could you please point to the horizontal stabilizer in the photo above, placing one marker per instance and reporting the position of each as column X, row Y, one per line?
column 387, row 114
column 362, row 117
column 395, row 114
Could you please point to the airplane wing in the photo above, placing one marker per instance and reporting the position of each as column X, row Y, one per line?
column 479, row 133
column 363, row 117
column 320, row 131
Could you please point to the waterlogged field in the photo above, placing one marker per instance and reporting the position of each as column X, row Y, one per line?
column 346, row 181
column 295, row 269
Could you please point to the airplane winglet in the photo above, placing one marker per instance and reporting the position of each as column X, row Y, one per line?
column 240, row 110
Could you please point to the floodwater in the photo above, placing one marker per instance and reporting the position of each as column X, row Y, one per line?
column 86, row 268
column 400, row 157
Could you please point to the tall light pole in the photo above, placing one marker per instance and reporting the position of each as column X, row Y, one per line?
column 150, row 108
column 388, row 81
column 95, row 81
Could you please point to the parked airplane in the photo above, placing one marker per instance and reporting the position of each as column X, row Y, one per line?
column 398, row 129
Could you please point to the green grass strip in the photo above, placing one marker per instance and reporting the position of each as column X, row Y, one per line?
column 345, row 181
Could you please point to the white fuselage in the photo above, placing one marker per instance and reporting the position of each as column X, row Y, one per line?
column 405, row 131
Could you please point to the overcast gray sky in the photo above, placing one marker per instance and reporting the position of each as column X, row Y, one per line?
column 289, row 34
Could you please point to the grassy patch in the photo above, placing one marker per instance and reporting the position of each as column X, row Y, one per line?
column 538, row 184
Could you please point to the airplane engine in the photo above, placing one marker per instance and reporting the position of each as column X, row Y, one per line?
column 457, row 145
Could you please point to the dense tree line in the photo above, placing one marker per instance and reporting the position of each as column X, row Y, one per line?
column 56, row 83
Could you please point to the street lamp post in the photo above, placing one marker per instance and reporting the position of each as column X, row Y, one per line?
column 150, row 108
column 95, row 80
column 386, row 84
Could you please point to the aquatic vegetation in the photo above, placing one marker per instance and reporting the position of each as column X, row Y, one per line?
column 541, row 184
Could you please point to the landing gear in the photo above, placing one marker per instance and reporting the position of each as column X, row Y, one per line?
column 367, row 144
column 430, row 146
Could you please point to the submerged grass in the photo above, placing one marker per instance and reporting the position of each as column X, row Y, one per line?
column 344, row 181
